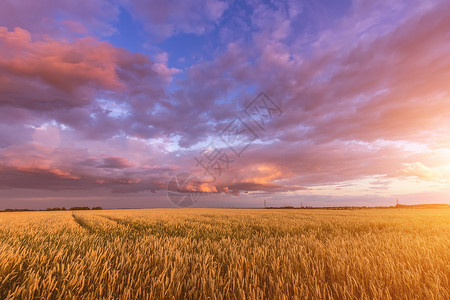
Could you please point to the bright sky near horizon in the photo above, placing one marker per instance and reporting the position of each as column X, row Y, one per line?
column 102, row 102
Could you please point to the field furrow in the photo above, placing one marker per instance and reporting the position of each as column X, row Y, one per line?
column 225, row 254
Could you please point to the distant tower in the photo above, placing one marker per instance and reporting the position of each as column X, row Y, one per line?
column 396, row 199
column 265, row 204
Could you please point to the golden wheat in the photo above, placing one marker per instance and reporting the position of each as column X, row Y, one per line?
column 225, row 254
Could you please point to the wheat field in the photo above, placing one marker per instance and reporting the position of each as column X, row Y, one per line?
column 226, row 254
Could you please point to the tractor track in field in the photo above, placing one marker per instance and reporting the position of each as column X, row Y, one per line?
column 95, row 228
column 159, row 228
column 83, row 223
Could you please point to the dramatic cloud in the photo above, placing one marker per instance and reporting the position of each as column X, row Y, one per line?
column 119, row 96
column 61, row 17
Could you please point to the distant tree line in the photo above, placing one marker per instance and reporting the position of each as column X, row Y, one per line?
column 77, row 208
column 364, row 207
column 56, row 209
column 53, row 209
column 80, row 208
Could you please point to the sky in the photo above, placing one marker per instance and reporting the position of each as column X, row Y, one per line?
column 314, row 103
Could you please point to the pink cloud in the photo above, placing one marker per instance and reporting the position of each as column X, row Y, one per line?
column 64, row 79
column 52, row 18
column 68, row 72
